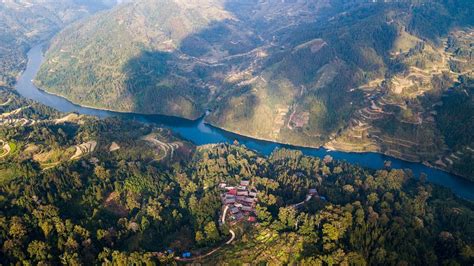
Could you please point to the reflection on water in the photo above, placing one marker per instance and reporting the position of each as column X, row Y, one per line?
column 200, row 133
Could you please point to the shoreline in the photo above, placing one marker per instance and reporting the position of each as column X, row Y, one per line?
column 112, row 110
column 329, row 149
column 290, row 145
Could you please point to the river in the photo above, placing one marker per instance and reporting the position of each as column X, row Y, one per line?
column 200, row 133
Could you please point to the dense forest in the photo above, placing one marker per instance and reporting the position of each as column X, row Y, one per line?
column 123, row 201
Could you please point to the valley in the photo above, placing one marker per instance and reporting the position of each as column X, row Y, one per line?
column 398, row 105
column 290, row 80
column 25, row 23
column 200, row 133
column 236, row 132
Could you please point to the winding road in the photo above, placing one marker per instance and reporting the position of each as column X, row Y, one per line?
column 228, row 242
column 307, row 198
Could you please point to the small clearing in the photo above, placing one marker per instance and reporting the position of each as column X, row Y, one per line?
column 113, row 147
column 112, row 204
column 68, row 118
column 83, row 149
column 6, row 149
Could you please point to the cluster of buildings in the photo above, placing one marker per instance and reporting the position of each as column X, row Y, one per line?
column 240, row 201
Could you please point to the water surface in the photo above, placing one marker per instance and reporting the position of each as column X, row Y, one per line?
column 200, row 133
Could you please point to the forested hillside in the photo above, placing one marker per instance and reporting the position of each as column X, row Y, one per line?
column 79, row 190
column 350, row 75
column 119, row 60
column 24, row 23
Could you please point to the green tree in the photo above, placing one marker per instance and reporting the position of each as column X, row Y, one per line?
column 212, row 234
column 287, row 217
column 38, row 250
column 17, row 228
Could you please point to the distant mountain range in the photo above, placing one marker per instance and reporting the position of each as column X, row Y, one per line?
column 358, row 76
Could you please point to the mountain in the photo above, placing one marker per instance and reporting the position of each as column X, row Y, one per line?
column 118, row 60
column 350, row 75
column 24, row 23
column 149, row 56
column 78, row 190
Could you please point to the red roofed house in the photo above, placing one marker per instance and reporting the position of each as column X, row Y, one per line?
column 252, row 219
column 242, row 193
column 244, row 183
column 232, row 192
column 229, row 201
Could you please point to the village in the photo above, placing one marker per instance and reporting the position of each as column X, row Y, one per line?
column 239, row 201
column 239, row 206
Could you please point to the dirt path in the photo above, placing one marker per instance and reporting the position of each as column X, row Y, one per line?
column 16, row 122
column 164, row 146
column 308, row 198
column 288, row 125
column 50, row 165
column 232, row 237
column 7, row 102
column 16, row 111
column 223, row 222
column 224, row 214
column 228, row 242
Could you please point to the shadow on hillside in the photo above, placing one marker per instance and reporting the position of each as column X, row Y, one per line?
column 177, row 82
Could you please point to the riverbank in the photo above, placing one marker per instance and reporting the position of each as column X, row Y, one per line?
column 193, row 119
column 331, row 148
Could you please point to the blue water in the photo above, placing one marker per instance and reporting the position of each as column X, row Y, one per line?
column 200, row 133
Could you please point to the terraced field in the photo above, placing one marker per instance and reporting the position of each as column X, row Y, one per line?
column 396, row 99
column 163, row 149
